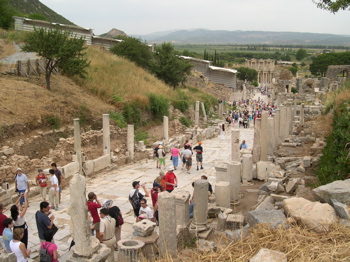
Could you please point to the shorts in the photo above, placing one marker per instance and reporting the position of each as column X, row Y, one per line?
column 183, row 160
column 199, row 158
column 189, row 162
column 97, row 226
column 162, row 161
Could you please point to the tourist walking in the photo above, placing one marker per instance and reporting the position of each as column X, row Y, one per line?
column 41, row 181
column 161, row 180
column 199, row 155
column 93, row 204
column 155, row 153
column 19, row 217
column 187, row 153
column 222, row 131
column 107, row 230
column 175, row 154
column 136, row 195
column 170, row 180
column 43, row 221
column 161, row 156
column 54, row 190
column 51, row 248
column 59, row 176
column 18, row 248
column 21, row 184
column 154, row 195
column 7, row 234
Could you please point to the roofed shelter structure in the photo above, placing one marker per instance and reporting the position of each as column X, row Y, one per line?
column 26, row 24
column 218, row 75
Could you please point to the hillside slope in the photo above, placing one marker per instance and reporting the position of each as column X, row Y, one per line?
column 36, row 7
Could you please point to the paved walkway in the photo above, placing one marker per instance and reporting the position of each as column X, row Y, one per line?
column 116, row 184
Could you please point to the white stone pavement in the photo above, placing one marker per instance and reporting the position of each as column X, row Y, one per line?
column 116, row 184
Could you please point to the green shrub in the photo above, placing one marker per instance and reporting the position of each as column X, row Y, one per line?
column 141, row 136
column 53, row 121
column 84, row 114
column 335, row 159
column 132, row 113
column 294, row 90
column 181, row 105
column 117, row 99
column 118, row 118
column 185, row 121
column 158, row 106
column 255, row 83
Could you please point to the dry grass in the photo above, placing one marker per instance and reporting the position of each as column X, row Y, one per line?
column 6, row 46
column 297, row 243
column 110, row 76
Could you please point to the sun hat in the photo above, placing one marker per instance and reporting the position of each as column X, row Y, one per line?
column 171, row 168
column 107, row 203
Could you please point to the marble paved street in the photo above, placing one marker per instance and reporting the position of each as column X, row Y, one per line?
column 115, row 184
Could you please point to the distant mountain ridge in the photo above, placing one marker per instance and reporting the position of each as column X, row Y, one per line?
column 27, row 7
column 205, row 36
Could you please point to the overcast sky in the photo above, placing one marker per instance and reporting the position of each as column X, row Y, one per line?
column 143, row 17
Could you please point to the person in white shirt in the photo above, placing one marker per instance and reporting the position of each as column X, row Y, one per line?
column 54, row 190
column 107, row 229
column 145, row 209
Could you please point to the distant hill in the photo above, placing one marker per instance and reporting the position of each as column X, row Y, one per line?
column 27, row 7
column 204, row 36
column 113, row 33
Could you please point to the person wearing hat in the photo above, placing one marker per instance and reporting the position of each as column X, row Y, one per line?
column 170, row 179
column 136, row 195
column 161, row 156
column 155, row 152
column 199, row 155
column 41, row 180
column 21, row 184
column 154, row 195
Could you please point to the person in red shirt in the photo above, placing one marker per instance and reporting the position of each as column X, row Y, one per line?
column 93, row 204
column 154, row 194
column 2, row 226
column 170, row 179
column 41, row 180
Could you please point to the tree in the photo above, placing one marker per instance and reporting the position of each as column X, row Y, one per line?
column 320, row 63
column 294, row 70
column 169, row 67
column 60, row 49
column 301, row 54
column 247, row 74
column 333, row 5
column 6, row 14
column 134, row 50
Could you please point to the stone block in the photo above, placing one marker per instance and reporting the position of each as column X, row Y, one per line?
column 263, row 169
column 342, row 210
column 292, row 185
column 279, row 197
column 144, row 228
column 268, row 255
column 315, row 216
column 234, row 221
column 183, row 237
column 70, row 169
column 101, row 162
column 338, row 190
column 213, row 210
column 306, row 161
column 238, row 233
column 273, row 218
column 89, row 167
column 265, row 206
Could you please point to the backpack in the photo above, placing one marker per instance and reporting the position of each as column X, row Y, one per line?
column 114, row 213
column 135, row 200
column 44, row 255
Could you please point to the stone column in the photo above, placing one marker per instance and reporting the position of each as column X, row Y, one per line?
column 221, row 172
column 257, row 145
column 282, row 123
column 167, row 242
column 294, row 108
column 129, row 250
column 199, row 221
column 264, row 136
column 271, row 143
column 166, row 128
column 247, row 168
column 234, row 171
column 106, row 135
column 77, row 144
column 130, row 141
column 302, row 117
column 299, row 85
column 204, row 113
column 289, row 120
column 244, row 92
column 235, row 154
column 222, row 194
column 221, row 110
column 196, row 115
column 85, row 244
column 277, row 127
column 182, row 199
